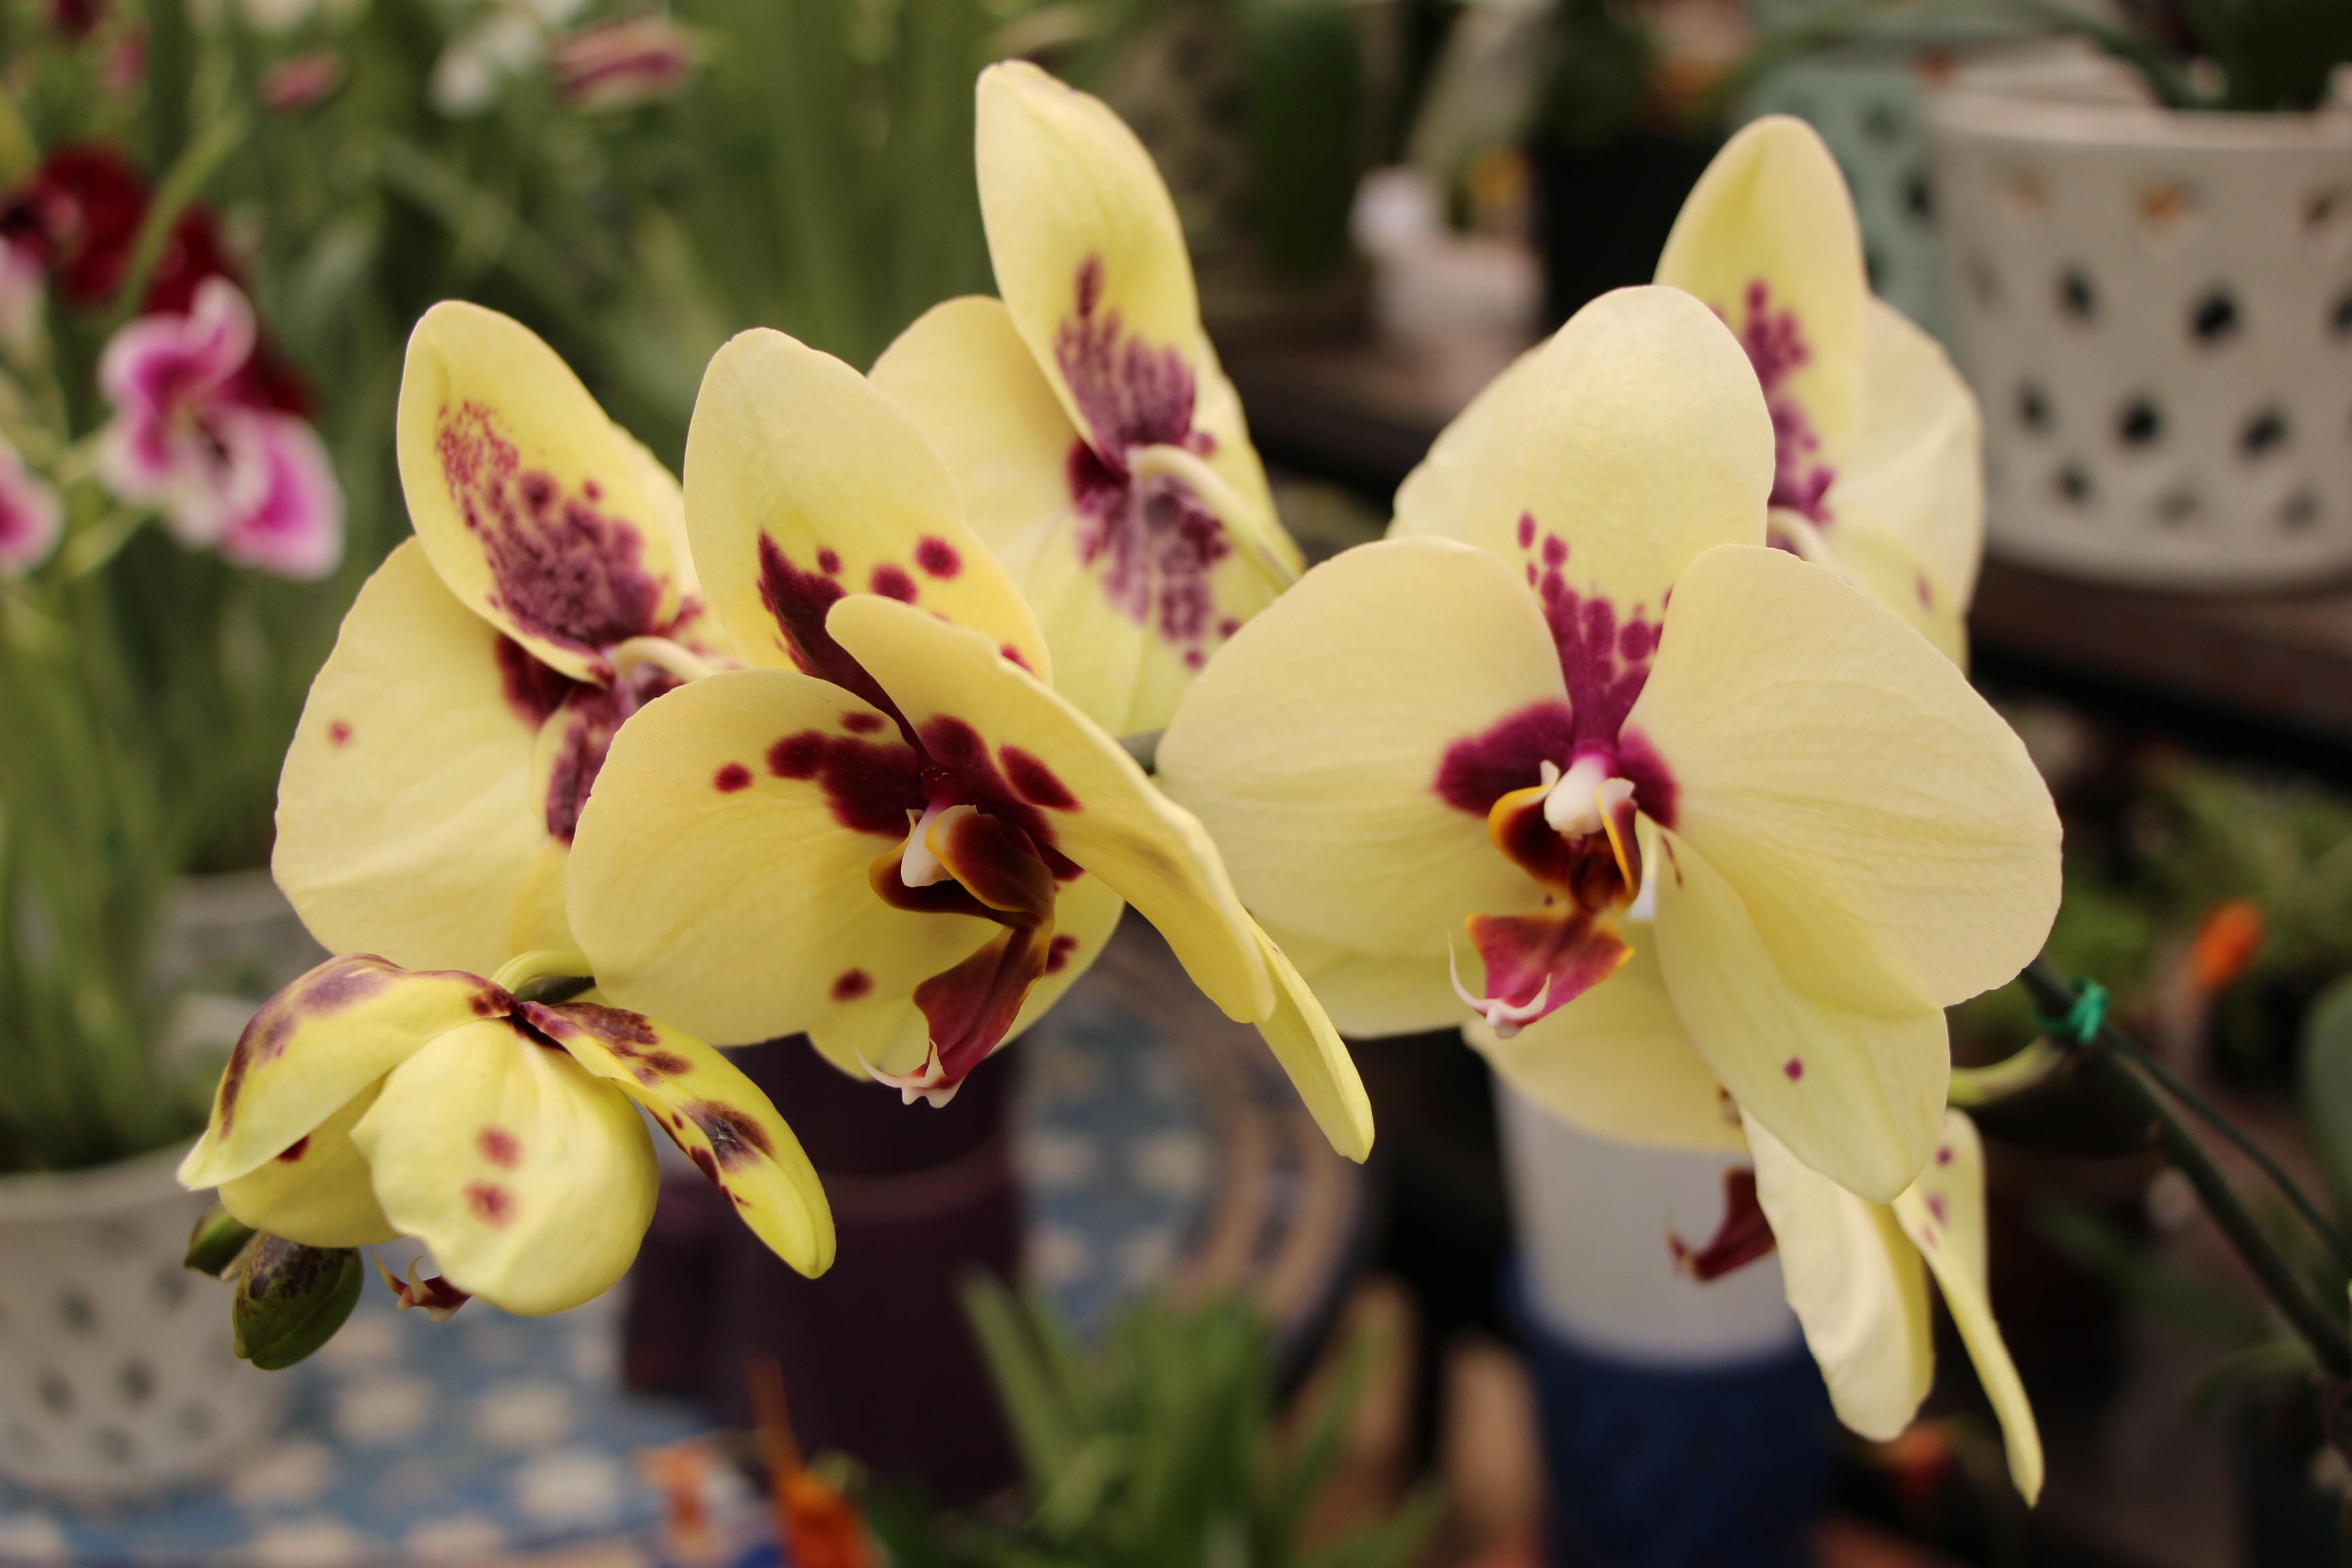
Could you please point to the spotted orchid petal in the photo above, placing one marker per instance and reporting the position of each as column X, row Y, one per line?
column 315, row 1191
column 805, row 482
column 1944, row 1215
column 1915, row 466
column 407, row 824
column 533, row 507
column 532, row 1179
column 1606, row 460
column 1010, row 738
column 720, row 876
column 319, row 1044
column 1879, row 563
column 32, row 516
column 1856, row 1285
column 163, row 373
column 888, row 1037
column 1769, row 240
column 712, row 1110
column 1170, row 539
column 1617, row 1062
column 1855, row 1094
column 1346, row 750
column 1881, row 827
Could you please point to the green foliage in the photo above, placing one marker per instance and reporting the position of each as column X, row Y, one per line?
column 1304, row 75
column 1164, row 1448
column 2326, row 1082
column 1595, row 81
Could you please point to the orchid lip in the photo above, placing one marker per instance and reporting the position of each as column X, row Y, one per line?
column 1501, row 1016
column 924, row 1085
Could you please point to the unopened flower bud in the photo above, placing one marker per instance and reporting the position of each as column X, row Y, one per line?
column 291, row 1299
column 217, row 1242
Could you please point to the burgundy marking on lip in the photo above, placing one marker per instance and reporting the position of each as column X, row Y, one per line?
column 938, row 557
column 732, row 777
column 500, row 1148
column 491, row 1203
column 798, row 601
column 1744, row 1235
column 1559, row 946
column 561, row 569
column 870, row 785
column 339, row 733
column 1776, row 345
column 296, row 1150
column 1036, row 781
column 1057, row 954
column 852, row 983
column 1480, row 771
column 891, row 582
column 959, row 758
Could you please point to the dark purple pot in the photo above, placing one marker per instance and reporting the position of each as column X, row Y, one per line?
column 877, row 1358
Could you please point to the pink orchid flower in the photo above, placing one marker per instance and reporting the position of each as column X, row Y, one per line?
column 226, row 473
column 30, row 516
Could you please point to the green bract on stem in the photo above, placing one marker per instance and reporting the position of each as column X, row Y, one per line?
column 547, row 976
column 2124, row 1070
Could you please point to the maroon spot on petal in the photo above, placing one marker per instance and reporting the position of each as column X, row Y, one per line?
column 1532, row 574
column 938, row 557
column 859, row 723
column 1555, row 548
column 891, row 582
column 869, row 785
column 1227, row 627
column 616, row 1026
column 561, row 568
column 829, row 562
column 959, row 760
column 1057, row 954
column 736, row 1139
column 1603, row 659
column 535, row 691
column 705, row 1163
column 498, row 1147
column 296, row 1150
column 1776, row 345
column 1654, row 789
column 339, row 733
column 491, row 1203
column 1944, row 1154
column 730, row 778
column 1795, row 1067
column 851, row 984
column 1926, row 598
column 1526, row 531
column 1036, row 781
column 1936, row 1207
column 590, row 717
column 591, row 489
column 798, row 601
column 1193, row 658
column 1014, row 655
column 1480, row 771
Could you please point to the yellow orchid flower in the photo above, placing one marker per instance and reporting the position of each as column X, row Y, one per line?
column 1100, row 450
column 1877, row 446
column 1619, row 1062
column 365, row 1101
column 430, row 794
column 893, row 832
column 1604, row 685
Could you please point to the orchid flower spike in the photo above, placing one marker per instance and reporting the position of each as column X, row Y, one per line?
column 429, row 800
column 366, row 1102
column 1877, row 446
column 1602, row 701
column 186, row 439
column 893, row 833
column 1100, row 451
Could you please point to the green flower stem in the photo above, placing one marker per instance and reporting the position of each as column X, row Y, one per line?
column 1999, row 1080
column 2104, row 1060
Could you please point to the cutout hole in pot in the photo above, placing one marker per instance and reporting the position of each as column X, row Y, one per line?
column 2342, row 320
column 2179, row 507
column 1919, row 197
column 2034, row 409
column 2298, row 513
column 1984, row 282
column 137, row 1381
column 76, row 1312
column 54, row 1391
column 2077, row 300
column 195, row 1422
column 2074, row 485
column 2328, row 221
column 2141, row 423
column 2214, row 318
column 2264, row 433
column 113, row 1444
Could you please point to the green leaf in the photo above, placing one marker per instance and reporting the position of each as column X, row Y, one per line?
column 2326, row 1080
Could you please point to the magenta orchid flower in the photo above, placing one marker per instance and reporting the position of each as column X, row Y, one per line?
column 225, row 473
column 30, row 516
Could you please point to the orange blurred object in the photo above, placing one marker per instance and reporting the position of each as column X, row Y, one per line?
column 2227, row 940
column 820, row 1526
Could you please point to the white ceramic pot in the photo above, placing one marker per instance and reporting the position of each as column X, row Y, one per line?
column 2156, row 311
column 117, row 1377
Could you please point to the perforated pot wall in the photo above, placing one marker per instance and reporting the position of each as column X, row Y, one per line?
column 117, row 1377
column 2156, row 310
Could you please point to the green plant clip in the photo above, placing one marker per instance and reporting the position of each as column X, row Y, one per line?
column 2083, row 1021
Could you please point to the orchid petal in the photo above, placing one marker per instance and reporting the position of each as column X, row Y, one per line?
column 722, row 1120
column 1367, row 994
column 405, row 820
column 1617, row 1063
column 1915, row 465
column 1631, row 441
column 317, row 1044
column 1884, row 829
column 1769, row 240
column 1857, row 1095
column 1880, row 564
column 1315, row 749
column 1008, row 736
column 1944, row 1215
column 317, row 1190
column 532, row 1180
column 718, row 876
column 1301, row 1036
column 531, row 503
column 1855, row 1284
column 295, row 528
column 32, row 514
column 805, row 482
